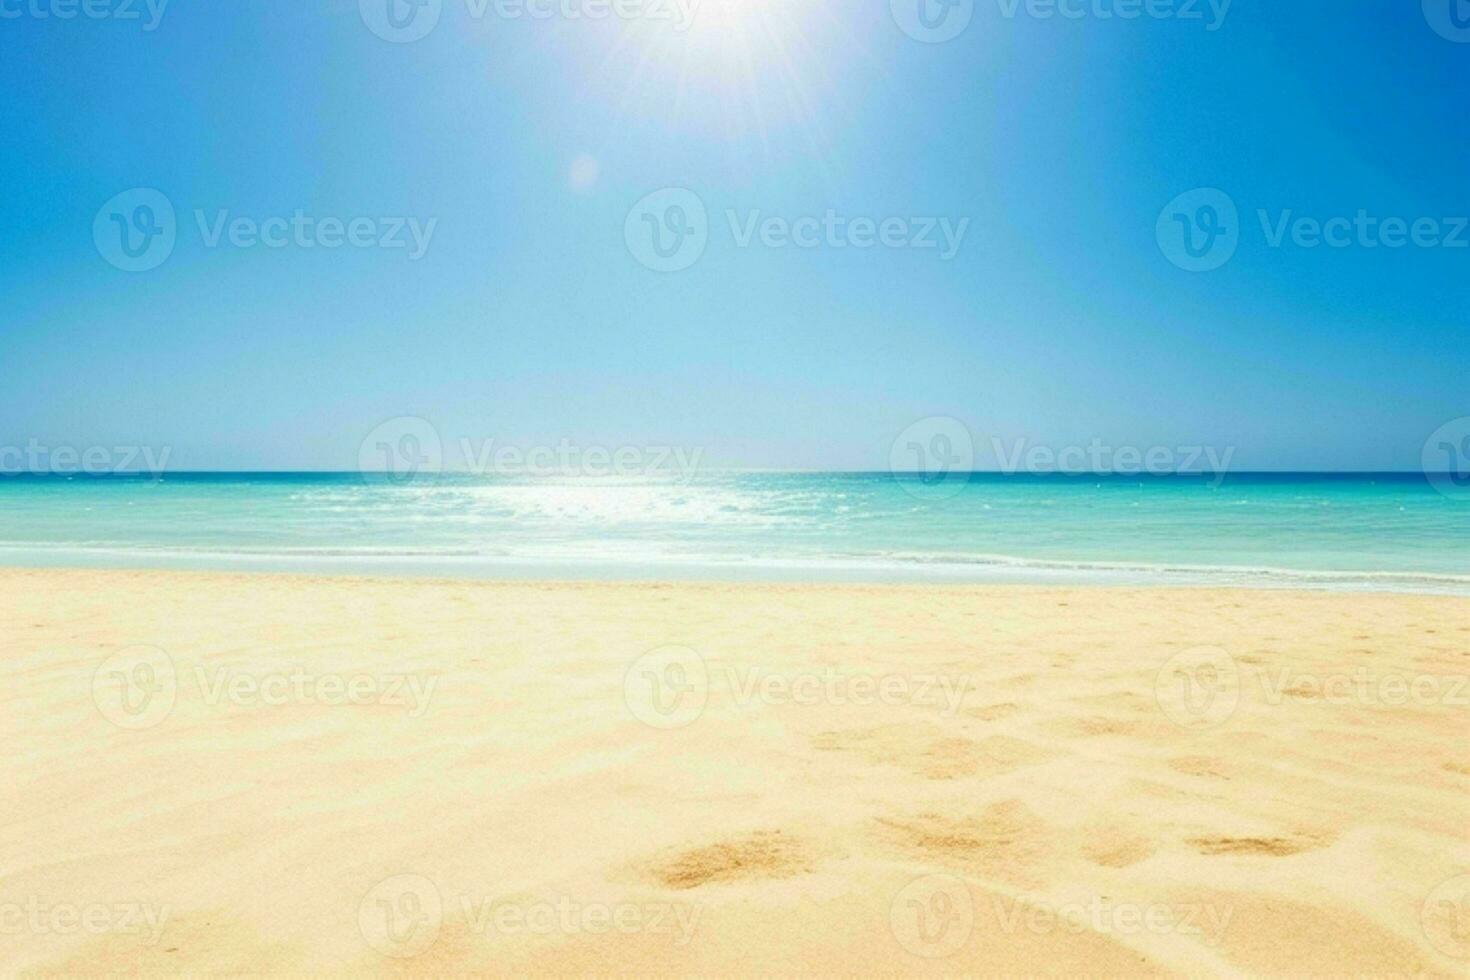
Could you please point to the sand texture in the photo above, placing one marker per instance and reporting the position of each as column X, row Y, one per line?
column 218, row 773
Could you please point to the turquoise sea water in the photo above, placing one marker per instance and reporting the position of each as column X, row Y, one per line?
column 1385, row 531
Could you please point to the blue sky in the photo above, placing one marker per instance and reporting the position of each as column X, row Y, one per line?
column 1058, row 141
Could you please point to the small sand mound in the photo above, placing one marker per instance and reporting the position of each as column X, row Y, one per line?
column 1200, row 765
column 764, row 854
column 993, row 712
column 1258, row 846
column 1113, row 849
column 1003, row 839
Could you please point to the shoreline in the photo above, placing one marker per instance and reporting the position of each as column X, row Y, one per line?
column 1348, row 532
column 980, row 574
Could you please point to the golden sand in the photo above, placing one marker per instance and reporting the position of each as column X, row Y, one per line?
column 228, row 773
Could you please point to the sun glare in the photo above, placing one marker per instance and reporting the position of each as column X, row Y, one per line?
column 733, row 24
column 742, row 69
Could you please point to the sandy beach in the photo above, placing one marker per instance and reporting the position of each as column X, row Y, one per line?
column 224, row 773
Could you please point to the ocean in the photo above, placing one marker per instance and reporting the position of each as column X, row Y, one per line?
column 1335, row 531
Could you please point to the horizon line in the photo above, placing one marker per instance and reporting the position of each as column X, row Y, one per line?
column 793, row 471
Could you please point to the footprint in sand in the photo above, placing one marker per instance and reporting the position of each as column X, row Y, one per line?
column 994, row 712
column 1113, row 848
column 1095, row 725
column 1002, row 840
column 761, row 855
column 1284, row 846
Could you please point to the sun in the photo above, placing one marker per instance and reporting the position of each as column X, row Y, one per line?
column 762, row 78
